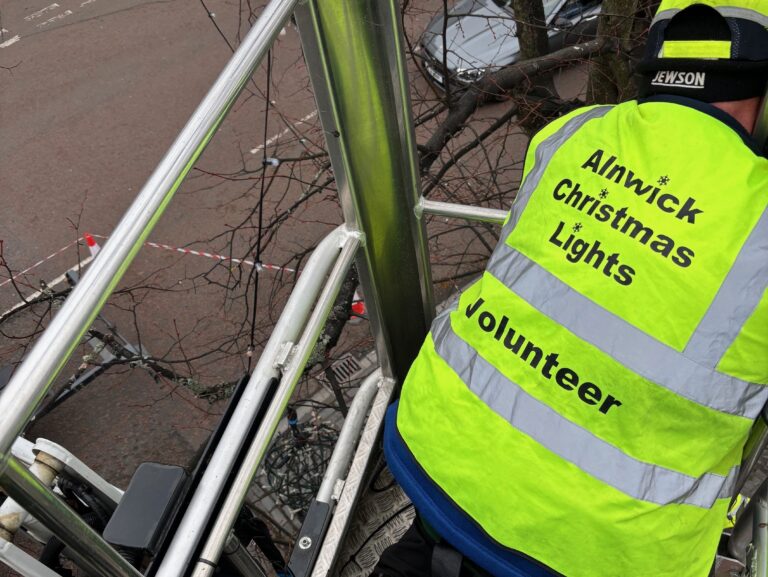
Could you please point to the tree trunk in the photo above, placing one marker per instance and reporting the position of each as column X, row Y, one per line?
column 610, row 75
column 531, row 28
column 532, row 36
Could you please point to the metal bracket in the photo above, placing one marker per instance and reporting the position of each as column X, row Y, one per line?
column 418, row 208
column 74, row 467
column 308, row 545
column 284, row 355
column 23, row 450
column 338, row 487
column 353, row 232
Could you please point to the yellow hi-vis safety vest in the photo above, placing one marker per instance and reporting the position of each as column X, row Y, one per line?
column 586, row 401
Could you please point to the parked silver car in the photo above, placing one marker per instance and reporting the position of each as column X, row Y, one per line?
column 480, row 36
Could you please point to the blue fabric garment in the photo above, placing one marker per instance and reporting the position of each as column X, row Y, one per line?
column 445, row 517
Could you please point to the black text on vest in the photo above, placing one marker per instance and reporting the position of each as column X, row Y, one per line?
column 620, row 174
column 567, row 378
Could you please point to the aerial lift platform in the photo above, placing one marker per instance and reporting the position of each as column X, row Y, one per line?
column 174, row 523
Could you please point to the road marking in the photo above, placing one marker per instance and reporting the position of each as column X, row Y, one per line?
column 38, row 263
column 276, row 137
column 55, row 18
column 58, row 280
column 13, row 40
column 40, row 12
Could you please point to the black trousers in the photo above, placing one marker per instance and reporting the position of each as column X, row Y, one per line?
column 418, row 554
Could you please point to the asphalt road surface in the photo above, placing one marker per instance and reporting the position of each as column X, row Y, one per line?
column 92, row 94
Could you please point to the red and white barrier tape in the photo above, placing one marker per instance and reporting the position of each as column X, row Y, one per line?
column 219, row 257
column 38, row 263
column 94, row 248
column 358, row 305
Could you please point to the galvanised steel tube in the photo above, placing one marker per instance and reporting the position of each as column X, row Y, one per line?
column 234, row 500
column 287, row 330
column 350, row 434
column 474, row 213
column 33, row 378
column 97, row 556
column 355, row 57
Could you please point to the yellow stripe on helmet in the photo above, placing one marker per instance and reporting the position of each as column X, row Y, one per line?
column 696, row 49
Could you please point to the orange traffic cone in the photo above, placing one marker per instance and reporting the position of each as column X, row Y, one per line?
column 358, row 308
column 93, row 246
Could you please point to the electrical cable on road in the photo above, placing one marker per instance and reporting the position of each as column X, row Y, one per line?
column 259, row 229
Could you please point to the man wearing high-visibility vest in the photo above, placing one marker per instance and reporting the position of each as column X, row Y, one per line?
column 582, row 409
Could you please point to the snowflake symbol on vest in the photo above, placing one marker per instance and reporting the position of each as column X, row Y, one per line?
column 664, row 180
column 577, row 227
column 603, row 193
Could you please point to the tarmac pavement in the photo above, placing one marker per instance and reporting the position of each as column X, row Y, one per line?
column 92, row 93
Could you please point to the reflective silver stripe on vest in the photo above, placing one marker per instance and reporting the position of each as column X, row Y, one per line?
column 737, row 298
column 726, row 11
column 542, row 155
column 569, row 441
column 630, row 346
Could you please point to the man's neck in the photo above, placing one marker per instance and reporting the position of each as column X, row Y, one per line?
column 744, row 111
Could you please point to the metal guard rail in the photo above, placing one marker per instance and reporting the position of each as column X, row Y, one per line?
column 35, row 375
